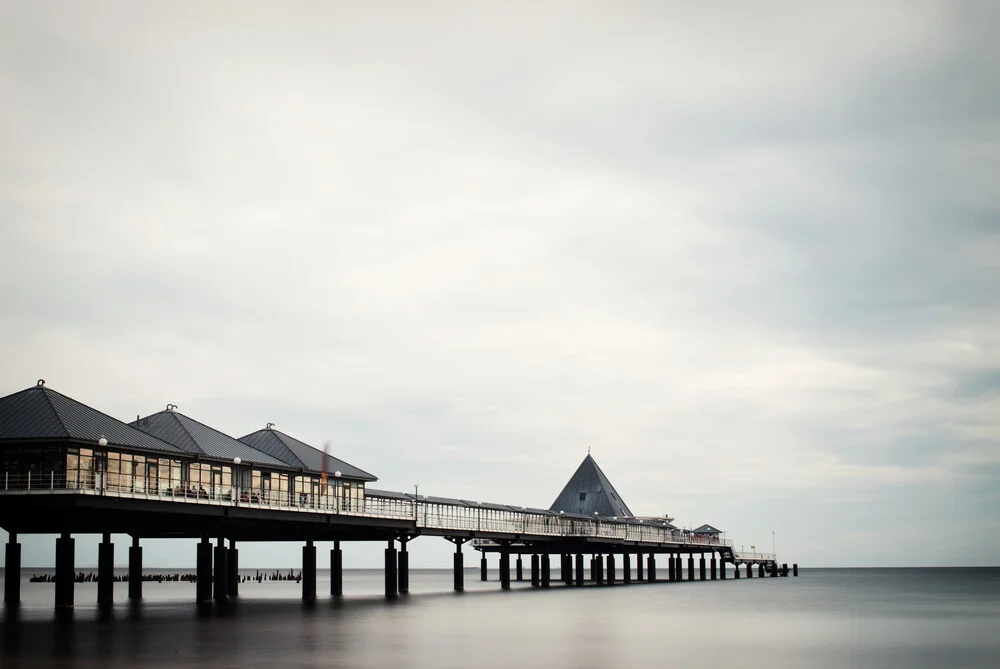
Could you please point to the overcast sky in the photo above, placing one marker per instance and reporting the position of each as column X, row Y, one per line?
column 748, row 254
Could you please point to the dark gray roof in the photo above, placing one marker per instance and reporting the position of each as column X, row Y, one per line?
column 300, row 454
column 599, row 494
column 194, row 437
column 371, row 492
column 707, row 529
column 40, row 413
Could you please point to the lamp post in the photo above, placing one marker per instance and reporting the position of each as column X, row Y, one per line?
column 337, row 488
column 416, row 498
column 237, row 483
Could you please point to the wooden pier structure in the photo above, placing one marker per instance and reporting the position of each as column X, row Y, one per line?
column 68, row 469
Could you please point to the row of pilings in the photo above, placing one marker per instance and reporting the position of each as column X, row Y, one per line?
column 217, row 574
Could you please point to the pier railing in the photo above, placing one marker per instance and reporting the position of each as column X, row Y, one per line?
column 469, row 517
column 744, row 556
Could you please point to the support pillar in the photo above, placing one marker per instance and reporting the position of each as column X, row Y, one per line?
column 627, row 567
column 536, row 580
column 403, row 567
column 795, row 569
column 651, row 568
column 203, row 585
column 520, row 568
column 390, row 569
column 638, row 567
column 722, row 568
column 65, row 550
column 611, row 568
column 701, row 567
column 546, row 570
column 760, row 570
column 219, row 585
column 599, row 564
column 579, row 569
column 691, row 567
column 713, row 568
column 458, row 565
column 482, row 568
column 106, row 571
column 736, row 571
column 593, row 569
column 12, row 570
column 505, row 566
column 566, row 568
column 233, row 570
column 135, row 569
column 336, row 570
column 749, row 570
column 309, row 571
column 679, row 567
column 671, row 572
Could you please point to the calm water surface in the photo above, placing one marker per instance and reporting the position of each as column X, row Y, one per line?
column 911, row 618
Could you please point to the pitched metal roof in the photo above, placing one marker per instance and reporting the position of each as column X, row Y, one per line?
column 300, row 454
column 194, row 437
column 598, row 494
column 707, row 529
column 40, row 413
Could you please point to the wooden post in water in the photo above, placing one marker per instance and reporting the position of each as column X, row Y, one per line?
column 12, row 570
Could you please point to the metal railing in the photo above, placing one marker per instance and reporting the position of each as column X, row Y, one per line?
column 424, row 514
column 744, row 556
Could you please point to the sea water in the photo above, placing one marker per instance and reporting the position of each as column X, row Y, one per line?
column 913, row 618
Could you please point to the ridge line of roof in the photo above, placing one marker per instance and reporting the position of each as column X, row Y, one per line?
column 55, row 412
column 281, row 435
column 185, row 430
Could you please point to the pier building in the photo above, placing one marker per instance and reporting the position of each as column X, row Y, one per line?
column 69, row 469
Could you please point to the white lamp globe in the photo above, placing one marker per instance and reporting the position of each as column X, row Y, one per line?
column 337, row 474
column 103, row 441
column 237, row 461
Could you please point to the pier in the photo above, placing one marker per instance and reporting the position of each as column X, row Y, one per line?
column 68, row 469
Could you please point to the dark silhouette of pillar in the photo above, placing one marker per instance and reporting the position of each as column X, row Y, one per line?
column 722, row 568
column 403, row 567
column 233, row 570
column 760, row 570
column 309, row 571
column 390, row 570
column 520, row 568
column 105, row 571
column 459, row 567
column 679, row 567
column 65, row 550
column 593, row 569
column 651, row 568
column 749, row 570
column 627, row 567
column 599, row 568
column 795, row 569
column 336, row 570
column 135, row 569
column 579, row 569
column 203, row 586
column 671, row 572
column 611, row 568
column 546, row 570
column 219, row 584
column 504, row 566
column 691, row 567
column 566, row 568
column 482, row 567
column 536, row 580
column 713, row 569
column 12, row 570
column 638, row 567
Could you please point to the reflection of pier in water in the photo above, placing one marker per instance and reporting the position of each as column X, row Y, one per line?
column 69, row 469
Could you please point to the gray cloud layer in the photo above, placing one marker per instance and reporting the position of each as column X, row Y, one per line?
column 748, row 254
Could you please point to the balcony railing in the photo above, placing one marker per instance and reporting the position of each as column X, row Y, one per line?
column 423, row 513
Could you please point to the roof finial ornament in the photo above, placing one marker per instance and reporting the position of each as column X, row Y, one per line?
column 171, row 407
column 588, row 450
column 269, row 426
column 41, row 383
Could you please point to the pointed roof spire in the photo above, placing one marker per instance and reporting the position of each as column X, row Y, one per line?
column 589, row 491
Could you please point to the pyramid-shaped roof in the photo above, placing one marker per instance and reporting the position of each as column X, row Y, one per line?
column 707, row 529
column 40, row 413
column 289, row 449
column 194, row 437
column 588, row 492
